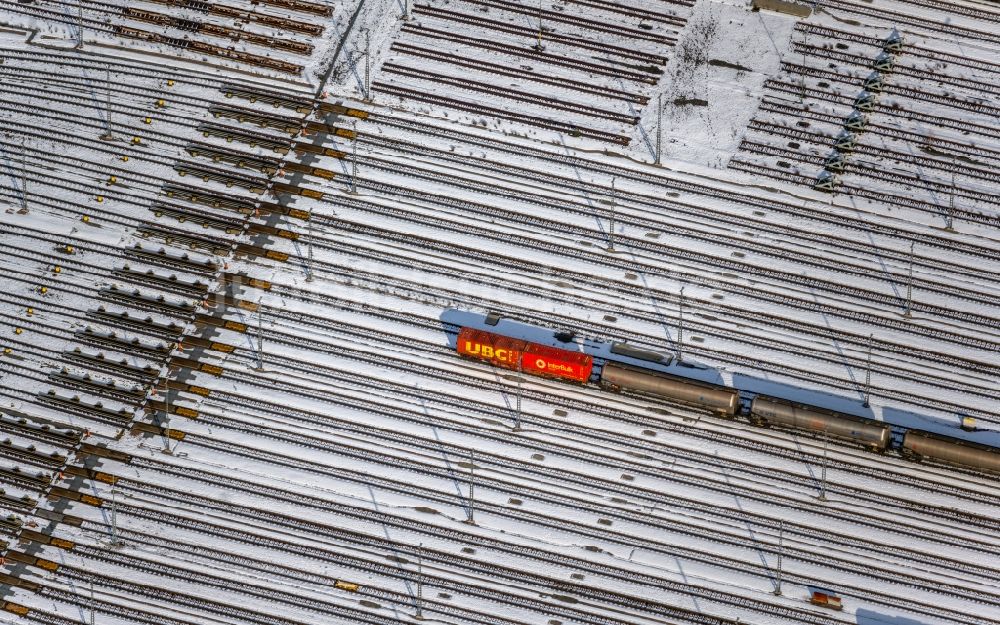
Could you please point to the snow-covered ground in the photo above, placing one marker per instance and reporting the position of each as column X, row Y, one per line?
column 228, row 386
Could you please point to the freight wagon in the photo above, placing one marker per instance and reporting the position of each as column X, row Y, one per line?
column 520, row 355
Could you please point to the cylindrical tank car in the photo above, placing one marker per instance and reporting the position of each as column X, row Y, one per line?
column 918, row 445
column 771, row 411
column 721, row 399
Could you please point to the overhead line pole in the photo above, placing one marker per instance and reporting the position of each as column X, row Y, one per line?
column 108, row 134
column 354, row 158
column 680, row 327
column 24, row 176
column 949, row 222
column 822, row 483
column 517, row 414
column 79, row 5
column 539, row 46
column 471, row 516
column 309, row 250
column 659, row 128
column 909, row 284
column 611, row 225
column 420, row 583
column 260, row 336
column 781, row 536
column 368, row 65
column 166, row 416
column 868, row 371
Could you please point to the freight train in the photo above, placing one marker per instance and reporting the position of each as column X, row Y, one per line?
column 764, row 411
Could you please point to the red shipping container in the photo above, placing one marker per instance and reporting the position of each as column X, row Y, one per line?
column 511, row 353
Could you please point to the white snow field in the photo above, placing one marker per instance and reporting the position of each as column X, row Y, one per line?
column 239, row 239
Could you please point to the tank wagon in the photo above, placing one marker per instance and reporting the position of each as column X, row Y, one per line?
column 520, row 355
column 918, row 445
column 720, row 399
column 765, row 411
column 771, row 411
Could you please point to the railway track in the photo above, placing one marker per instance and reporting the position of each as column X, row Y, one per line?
column 960, row 126
column 527, row 74
column 432, row 324
column 671, row 453
column 532, row 518
column 497, row 92
column 890, row 17
column 892, row 86
column 770, row 128
column 654, row 249
column 641, row 204
column 530, row 33
column 455, row 299
column 481, row 109
column 708, row 328
column 972, row 62
column 677, row 185
column 865, row 169
column 587, row 23
column 865, row 192
column 895, row 87
column 187, row 234
column 931, row 145
column 369, row 360
column 617, row 71
column 513, row 576
column 218, row 559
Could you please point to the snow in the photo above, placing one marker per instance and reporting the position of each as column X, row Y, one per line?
column 345, row 440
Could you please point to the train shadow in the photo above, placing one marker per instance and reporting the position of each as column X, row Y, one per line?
column 568, row 339
column 917, row 421
column 871, row 617
column 893, row 415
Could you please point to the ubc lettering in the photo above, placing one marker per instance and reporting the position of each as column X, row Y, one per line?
column 511, row 353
